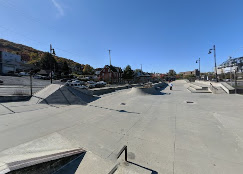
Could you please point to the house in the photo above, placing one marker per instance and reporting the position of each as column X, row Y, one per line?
column 97, row 71
column 111, row 74
column 9, row 62
column 142, row 77
column 195, row 72
column 44, row 72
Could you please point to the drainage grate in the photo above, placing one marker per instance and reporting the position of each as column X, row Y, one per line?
column 189, row 102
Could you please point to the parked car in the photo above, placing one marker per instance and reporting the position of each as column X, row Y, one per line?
column 37, row 77
column 64, row 80
column 82, row 87
column 91, row 84
column 45, row 77
column 100, row 84
column 23, row 74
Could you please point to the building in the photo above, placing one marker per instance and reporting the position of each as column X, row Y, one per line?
column 142, row 77
column 195, row 72
column 9, row 62
column 97, row 71
column 111, row 74
column 231, row 65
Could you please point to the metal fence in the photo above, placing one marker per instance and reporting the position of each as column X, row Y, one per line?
column 13, row 85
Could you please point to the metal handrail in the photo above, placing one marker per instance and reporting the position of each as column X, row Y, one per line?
column 123, row 149
column 213, row 88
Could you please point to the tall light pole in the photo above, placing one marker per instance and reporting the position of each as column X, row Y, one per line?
column 110, row 56
column 230, row 58
column 110, row 66
column 52, row 52
column 215, row 66
column 198, row 61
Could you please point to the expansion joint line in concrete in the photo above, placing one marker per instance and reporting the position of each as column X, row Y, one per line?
column 7, row 108
column 174, row 143
column 64, row 96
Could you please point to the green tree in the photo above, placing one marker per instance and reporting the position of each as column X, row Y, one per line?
column 65, row 68
column 171, row 72
column 128, row 73
column 88, row 70
column 48, row 62
column 137, row 70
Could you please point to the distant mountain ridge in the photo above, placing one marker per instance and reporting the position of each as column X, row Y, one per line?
column 30, row 54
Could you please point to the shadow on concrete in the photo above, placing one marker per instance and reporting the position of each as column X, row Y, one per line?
column 163, row 93
column 152, row 171
column 72, row 166
column 122, row 111
column 63, row 165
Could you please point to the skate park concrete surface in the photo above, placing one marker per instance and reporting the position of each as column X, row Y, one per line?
column 168, row 132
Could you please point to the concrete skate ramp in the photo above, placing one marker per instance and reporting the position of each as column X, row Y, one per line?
column 144, row 91
column 60, row 94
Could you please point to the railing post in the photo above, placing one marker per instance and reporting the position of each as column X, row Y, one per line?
column 123, row 149
column 126, row 153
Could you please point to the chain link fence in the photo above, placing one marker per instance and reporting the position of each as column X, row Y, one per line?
column 13, row 85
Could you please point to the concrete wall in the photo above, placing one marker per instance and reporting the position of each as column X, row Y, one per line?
column 105, row 90
column 13, row 98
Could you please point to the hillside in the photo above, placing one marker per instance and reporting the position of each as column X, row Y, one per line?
column 30, row 54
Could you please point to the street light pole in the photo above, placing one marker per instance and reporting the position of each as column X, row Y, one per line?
column 52, row 52
column 215, row 65
column 216, row 73
column 31, row 91
column 230, row 70
column 198, row 61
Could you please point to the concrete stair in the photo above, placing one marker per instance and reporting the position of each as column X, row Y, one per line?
column 198, row 88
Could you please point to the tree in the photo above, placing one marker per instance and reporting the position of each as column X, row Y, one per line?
column 65, row 68
column 48, row 62
column 171, row 72
column 128, row 73
column 88, row 70
column 137, row 71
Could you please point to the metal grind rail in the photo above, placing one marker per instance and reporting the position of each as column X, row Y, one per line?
column 213, row 88
column 124, row 148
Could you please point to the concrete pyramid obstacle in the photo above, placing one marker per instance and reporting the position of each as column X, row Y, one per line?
column 60, row 94
column 144, row 91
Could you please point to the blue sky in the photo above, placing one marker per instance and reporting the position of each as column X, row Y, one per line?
column 159, row 34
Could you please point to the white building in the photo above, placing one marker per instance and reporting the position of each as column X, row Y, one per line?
column 9, row 62
column 231, row 65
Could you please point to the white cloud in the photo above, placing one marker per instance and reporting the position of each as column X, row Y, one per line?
column 59, row 7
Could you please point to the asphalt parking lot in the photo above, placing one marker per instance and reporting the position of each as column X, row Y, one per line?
column 21, row 85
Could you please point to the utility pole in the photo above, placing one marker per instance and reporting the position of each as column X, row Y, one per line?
column 52, row 52
column 141, row 68
column 236, row 69
column 230, row 70
column 110, row 56
column 110, row 66
column 31, row 92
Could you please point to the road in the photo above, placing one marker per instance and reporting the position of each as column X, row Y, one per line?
column 177, row 132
